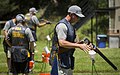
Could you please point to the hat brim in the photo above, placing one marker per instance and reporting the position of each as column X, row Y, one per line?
column 80, row 15
column 36, row 11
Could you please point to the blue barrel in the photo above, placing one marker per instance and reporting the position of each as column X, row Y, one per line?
column 101, row 41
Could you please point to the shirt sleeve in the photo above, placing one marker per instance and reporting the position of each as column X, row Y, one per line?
column 30, row 36
column 9, row 33
column 35, row 20
column 61, row 31
column 7, row 26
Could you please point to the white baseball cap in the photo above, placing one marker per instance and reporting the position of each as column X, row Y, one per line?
column 33, row 10
column 76, row 10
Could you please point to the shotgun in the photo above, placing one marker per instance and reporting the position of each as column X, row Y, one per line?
column 87, row 41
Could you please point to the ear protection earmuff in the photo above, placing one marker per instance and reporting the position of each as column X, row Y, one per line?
column 73, row 16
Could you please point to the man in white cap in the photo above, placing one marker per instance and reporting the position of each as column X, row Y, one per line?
column 65, row 35
column 33, row 23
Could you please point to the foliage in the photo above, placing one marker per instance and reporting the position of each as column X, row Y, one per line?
column 103, row 4
column 53, row 7
column 103, row 24
column 6, row 7
column 82, row 61
column 54, row 11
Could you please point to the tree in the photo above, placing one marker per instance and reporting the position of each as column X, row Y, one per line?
column 6, row 7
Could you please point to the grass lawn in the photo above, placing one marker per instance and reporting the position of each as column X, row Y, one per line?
column 82, row 62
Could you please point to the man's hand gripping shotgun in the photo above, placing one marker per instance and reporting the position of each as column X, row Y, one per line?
column 86, row 41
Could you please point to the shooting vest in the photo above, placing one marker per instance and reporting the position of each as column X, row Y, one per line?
column 32, row 26
column 18, row 37
column 66, row 54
